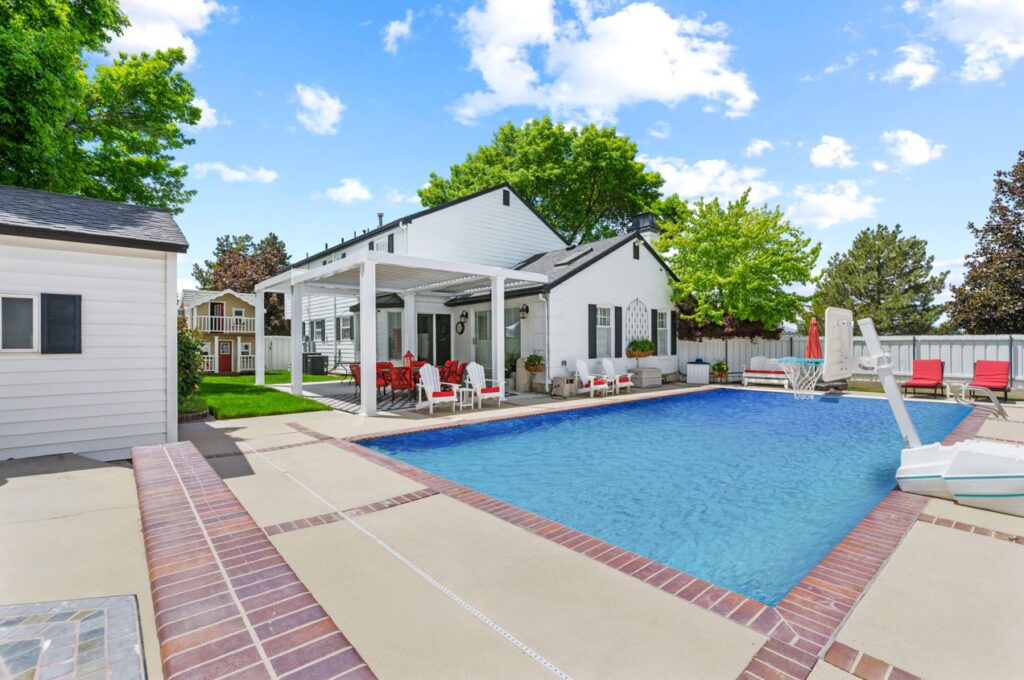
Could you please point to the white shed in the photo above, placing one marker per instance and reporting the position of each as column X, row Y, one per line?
column 88, row 359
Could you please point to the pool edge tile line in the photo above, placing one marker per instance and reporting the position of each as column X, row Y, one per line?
column 863, row 665
column 225, row 601
column 331, row 517
column 970, row 528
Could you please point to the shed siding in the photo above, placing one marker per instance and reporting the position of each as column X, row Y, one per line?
column 114, row 394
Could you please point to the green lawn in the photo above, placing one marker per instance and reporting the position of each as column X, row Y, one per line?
column 238, row 396
column 282, row 377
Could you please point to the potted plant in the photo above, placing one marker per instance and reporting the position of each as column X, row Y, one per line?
column 720, row 371
column 639, row 348
column 535, row 363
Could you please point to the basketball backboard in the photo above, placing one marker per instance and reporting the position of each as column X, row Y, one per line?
column 839, row 359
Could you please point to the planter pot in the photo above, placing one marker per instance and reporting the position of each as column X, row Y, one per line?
column 535, row 368
column 637, row 354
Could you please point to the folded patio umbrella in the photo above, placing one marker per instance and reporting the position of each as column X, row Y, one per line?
column 813, row 341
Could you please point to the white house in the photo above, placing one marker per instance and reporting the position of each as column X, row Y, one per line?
column 88, row 363
column 480, row 277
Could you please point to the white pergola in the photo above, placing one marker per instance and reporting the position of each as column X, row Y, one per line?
column 372, row 272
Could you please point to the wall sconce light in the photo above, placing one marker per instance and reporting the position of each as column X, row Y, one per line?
column 523, row 311
column 463, row 316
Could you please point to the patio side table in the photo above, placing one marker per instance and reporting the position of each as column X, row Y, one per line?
column 465, row 395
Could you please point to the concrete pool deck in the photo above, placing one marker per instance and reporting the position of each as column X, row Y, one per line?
column 425, row 585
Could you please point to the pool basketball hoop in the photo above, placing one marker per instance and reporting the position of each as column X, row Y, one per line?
column 803, row 375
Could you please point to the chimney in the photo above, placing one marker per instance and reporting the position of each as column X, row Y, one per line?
column 380, row 219
column 646, row 221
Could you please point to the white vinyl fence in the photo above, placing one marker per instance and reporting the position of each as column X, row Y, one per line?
column 278, row 352
column 959, row 352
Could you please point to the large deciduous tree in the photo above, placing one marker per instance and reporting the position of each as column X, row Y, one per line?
column 885, row 276
column 108, row 132
column 239, row 263
column 991, row 298
column 737, row 266
column 585, row 181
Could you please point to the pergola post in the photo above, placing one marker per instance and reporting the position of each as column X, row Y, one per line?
column 498, row 328
column 260, row 348
column 368, row 337
column 296, row 348
column 409, row 324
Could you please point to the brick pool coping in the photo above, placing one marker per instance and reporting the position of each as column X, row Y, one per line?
column 800, row 628
column 226, row 602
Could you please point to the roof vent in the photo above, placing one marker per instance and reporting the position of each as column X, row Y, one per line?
column 646, row 221
column 380, row 219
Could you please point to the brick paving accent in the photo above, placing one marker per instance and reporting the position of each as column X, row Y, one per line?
column 93, row 638
column 864, row 665
column 970, row 528
column 331, row 517
column 968, row 427
column 226, row 601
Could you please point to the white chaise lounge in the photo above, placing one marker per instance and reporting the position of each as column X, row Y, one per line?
column 765, row 371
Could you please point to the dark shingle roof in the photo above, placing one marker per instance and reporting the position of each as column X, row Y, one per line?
column 43, row 214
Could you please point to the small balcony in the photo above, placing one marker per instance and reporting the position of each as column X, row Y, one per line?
column 223, row 324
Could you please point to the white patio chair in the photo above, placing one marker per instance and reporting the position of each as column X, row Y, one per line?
column 433, row 391
column 478, row 382
column 590, row 384
column 617, row 381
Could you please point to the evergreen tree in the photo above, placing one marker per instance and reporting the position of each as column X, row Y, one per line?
column 885, row 276
column 991, row 298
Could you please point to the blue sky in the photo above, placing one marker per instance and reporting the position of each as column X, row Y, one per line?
column 320, row 114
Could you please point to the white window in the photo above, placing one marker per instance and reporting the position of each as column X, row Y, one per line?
column 246, row 349
column 206, row 349
column 604, row 331
column 394, row 335
column 343, row 327
column 664, row 344
column 320, row 330
column 19, row 323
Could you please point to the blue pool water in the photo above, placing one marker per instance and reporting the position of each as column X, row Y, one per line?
column 747, row 490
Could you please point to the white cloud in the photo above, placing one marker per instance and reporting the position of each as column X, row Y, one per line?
column 911, row 148
column 832, row 152
column 395, row 196
column 399, row 29
column 850, row 60
column 840, row 202
column 208, row 115
column 319, row 112
column 990, row 32
column 349, row 190
column 757, row 147
column 595, row 64
column 710, row 179
column 660, row 130
column 243, row 173
column 918, row 66
column 159, row 24
column 879, row 166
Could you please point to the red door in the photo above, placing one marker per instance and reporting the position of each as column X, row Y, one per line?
column 224, row 358
column 217, row 310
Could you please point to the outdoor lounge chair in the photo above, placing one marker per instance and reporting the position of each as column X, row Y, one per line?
column 765, row 371
column 993, row 375
column 618, row 381
column 482, row 387
column 927, row 374
column 432, row 391
column 589, row 384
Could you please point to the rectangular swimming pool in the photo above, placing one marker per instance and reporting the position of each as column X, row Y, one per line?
column 748, row 490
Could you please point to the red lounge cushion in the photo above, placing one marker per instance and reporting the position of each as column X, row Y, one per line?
column 446, row 393
column 921, row 382
column 991, row 374
column 758, row 371
column 927, row 370
column 623, row 378
column 991, row 384
column 597, row 381
column 490, row 390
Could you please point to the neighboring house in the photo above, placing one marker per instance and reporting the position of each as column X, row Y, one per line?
column 598, row 296
column 228, row 322
column 87, row 325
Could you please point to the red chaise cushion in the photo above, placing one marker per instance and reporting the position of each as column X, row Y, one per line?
column 752, row 371
column 994, row 375
column 624, row 379
column 445, row 393
column 490, row 390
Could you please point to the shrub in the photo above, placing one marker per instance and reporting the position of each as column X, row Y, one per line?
column 190, row 361
column 640, row 345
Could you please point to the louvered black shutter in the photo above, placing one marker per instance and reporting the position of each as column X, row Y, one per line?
column 674, row 323
column 654, row 330
column 592, row 331
column 60, row 324
column 370, row 245
column 618, row 332
column 391, row 243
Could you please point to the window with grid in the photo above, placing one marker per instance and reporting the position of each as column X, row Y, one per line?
column 320, row 330
column 604, row 331
column 394, row 335
column 664, row 339
column 347, row 327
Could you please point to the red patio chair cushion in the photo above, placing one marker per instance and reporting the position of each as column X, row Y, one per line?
column 994, row 375
column 926, row 373
column 752, row 371
column 445, row 393
column 490, row 390
column 624, row 378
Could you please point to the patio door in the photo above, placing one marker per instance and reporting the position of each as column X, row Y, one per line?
column 216, row 310
column 224, row 356
column 434, row 337
column 443, row 335
column 482, row 340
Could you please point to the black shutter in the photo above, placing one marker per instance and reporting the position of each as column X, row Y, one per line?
column 618, row 332
column 391, row 243
column 673, row 324
column 60, row 324
column 654, row 330
column 592, row 331
column 370, row 245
